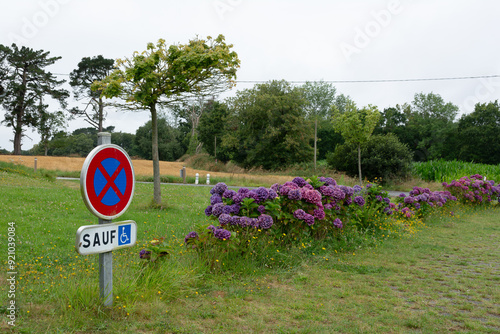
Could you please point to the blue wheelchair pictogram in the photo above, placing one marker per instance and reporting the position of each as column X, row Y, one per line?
column 110, row 182
column 124, row 236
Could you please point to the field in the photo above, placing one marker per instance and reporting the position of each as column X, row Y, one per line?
column 142, row 168
column 443, row 278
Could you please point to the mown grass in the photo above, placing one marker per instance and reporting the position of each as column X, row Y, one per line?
column 441, row 277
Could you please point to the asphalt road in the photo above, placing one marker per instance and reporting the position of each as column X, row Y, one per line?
column 390, row 192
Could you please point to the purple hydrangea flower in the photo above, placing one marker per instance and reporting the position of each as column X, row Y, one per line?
column 409, row 200
column 191, row 235
column 276, row 187
column 222, row 234
column 235, row 220
column 272, row 194
column 144, row 254
column 327, row 191
column 245, row 221
column 285, row 188
column 387, row 200
column 265, row 221
column 224, row 219
column 295, row 195
column 215, row 198
column 217, row 209
column 229, row 194
column 235, row 208
column 227, row 209
column 357, row 188
column 328, row 181
column 253, row 194
column 299, row 214
column 263, row 193
column 359, row 200
column 220, row 188
column 261, row 209
column 243, row 190
column 338, row 194
column 309, row 219
column 208, row 211
column 311, row 196
column 299, row 181
column 338, row 223
column 319, row 214
column 238, row 198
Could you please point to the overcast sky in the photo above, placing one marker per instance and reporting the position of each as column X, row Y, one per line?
column 295, row 40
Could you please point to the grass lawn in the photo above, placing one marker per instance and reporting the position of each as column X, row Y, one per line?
column 444, row 278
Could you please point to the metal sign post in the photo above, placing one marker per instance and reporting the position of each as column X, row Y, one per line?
column 107, row 183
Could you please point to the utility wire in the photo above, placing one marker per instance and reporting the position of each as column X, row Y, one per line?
column 385, row 80
column 367, row 81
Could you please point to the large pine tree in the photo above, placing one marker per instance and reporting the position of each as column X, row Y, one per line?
column 25, row 82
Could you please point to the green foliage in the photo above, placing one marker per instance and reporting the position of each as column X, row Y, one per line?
column 81, row 79
column 356, row 126
column 27, row 84
column 212, row 124
column 161, row 74
column 267, row 127
column 367, row 217
column 479, row 133
column 446, row 171
column 169, row 147
column 383, row 157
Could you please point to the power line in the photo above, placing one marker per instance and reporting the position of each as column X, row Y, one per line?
column 384, row 80
column 366, row 81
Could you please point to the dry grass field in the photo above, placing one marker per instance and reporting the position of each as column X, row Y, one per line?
column 141, row 168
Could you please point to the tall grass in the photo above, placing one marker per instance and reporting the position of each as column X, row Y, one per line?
column 447, row 171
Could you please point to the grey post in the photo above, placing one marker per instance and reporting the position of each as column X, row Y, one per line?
column 184, row 174
column 105, row 259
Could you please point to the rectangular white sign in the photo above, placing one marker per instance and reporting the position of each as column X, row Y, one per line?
column 93, row 239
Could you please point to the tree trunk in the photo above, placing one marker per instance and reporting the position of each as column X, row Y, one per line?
column 101, row 113
column 19, row 111
column 17, row 141
column 359, row 165
column 156, row 156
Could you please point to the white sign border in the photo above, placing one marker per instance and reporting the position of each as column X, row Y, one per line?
column 84, row 228
column 83, row 178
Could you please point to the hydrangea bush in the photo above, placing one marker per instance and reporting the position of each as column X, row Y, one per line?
column 474, row 190
column 246, row 221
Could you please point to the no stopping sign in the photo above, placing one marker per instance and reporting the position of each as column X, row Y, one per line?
column 107, row 181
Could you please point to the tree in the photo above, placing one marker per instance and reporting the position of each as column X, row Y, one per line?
column 319, row 96
column 48, row 125
column 479, row 134
column 267, row 127
column 26, row 82
column 169, row 147
column 81, row 79
column 212, row 125
column 356, row 126
column 161, row 76
column 430, row 121
column 383, row 157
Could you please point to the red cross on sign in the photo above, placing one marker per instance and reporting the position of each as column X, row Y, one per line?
column 107, row 181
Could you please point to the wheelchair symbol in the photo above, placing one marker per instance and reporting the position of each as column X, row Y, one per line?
column 124, row 239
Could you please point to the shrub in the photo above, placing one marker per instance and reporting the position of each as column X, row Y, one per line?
column 474, row 190
column 383, row 157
